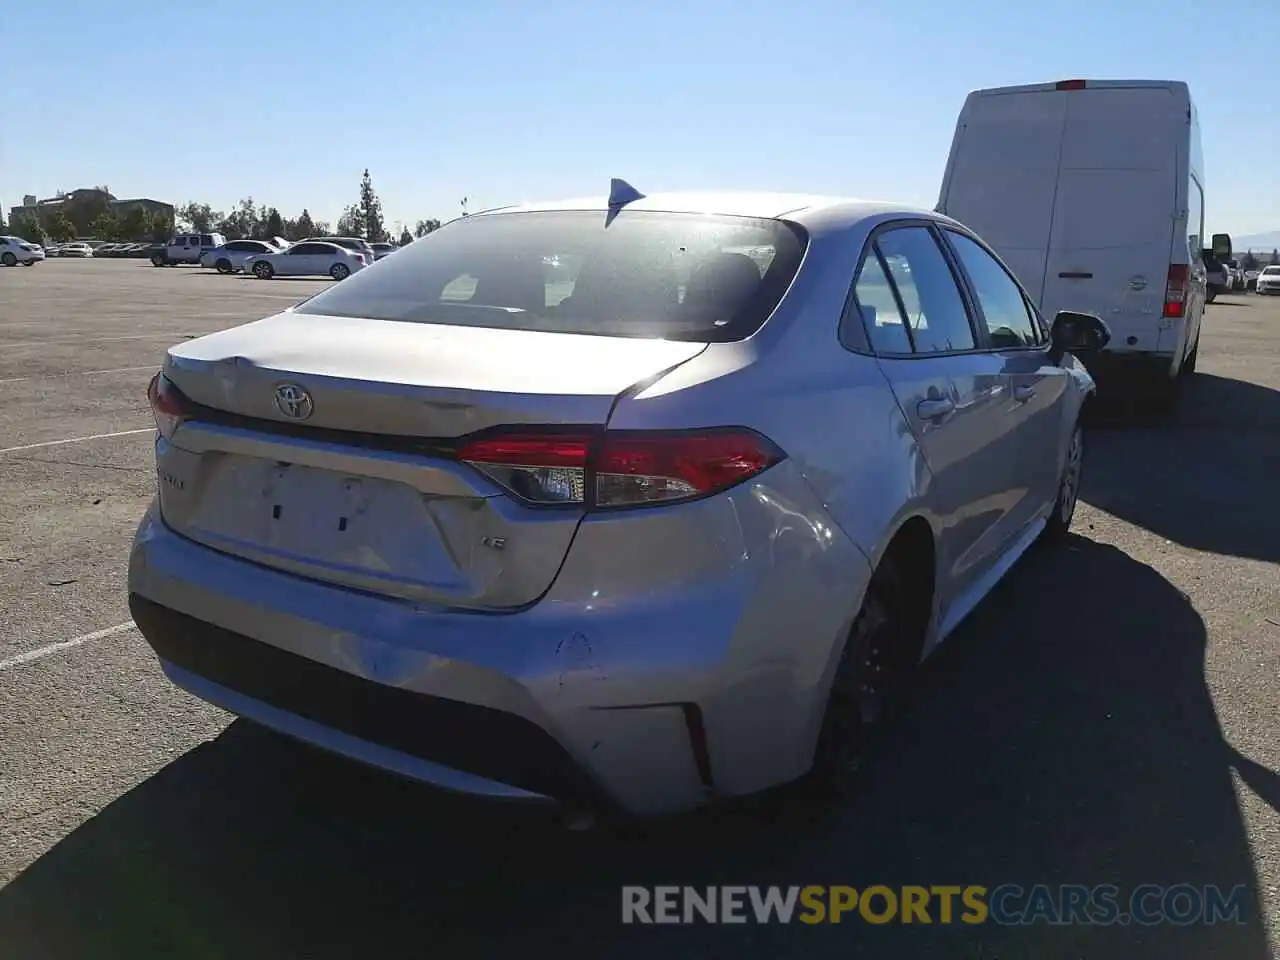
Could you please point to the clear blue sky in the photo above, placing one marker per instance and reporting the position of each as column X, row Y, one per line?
column 505, row 101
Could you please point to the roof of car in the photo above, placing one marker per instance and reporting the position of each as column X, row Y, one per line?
column 792, row 206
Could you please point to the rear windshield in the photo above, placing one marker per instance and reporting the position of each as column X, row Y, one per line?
column 676, row 276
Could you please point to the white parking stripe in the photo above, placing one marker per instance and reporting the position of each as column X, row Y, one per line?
column 41, row 652
column 58, row 443
column 78, row 373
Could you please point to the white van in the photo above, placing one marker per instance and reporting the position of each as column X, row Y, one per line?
column 1093, row 192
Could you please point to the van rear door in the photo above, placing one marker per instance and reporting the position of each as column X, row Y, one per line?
column 1002, row 174
column 1116, row 209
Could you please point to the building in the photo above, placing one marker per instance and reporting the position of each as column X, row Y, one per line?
column 43, row 210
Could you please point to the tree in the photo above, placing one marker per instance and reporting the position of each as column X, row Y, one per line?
column 105, row 226
column 375, row 231
column 423, row 227
column 405, row 236
column 60, row 228
column 1275, row 257
column 28, row 228
column 161, row 227
column 301, row 228
column 2, row 226
column 1248, row 261
column 199, row 217
column 135, row 225
column 273, row 223
column 351, row 223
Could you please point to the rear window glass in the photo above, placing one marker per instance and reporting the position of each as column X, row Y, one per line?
column 678, row 276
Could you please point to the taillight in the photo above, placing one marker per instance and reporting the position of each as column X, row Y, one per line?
column 620, row 469
column 167, row 404
column 1175, row 291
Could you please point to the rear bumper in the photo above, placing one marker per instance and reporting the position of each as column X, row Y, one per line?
column 1121, row 368
column 646, row 685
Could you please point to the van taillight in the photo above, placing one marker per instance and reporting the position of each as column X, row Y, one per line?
column 1175, row 291
column 1069, row 85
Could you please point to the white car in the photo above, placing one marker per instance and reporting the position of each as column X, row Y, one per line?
column 230, row 257
column 309, row 258
column 76, row 249
column 381, row 250
column 15, row 250
column 1269, row 280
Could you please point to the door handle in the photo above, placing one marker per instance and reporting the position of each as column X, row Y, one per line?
column 935, row 407
column 1023, row 393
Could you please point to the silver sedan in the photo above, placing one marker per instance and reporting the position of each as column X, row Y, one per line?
column 634, row 502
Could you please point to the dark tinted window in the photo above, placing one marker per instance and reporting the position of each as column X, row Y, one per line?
column 302, row 249
column 643, row 274
column 1008, row 319
column 241, row 246
column 926, row 288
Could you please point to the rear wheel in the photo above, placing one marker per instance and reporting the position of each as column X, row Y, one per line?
column 1211, row 295
column 867, row 676
column 223, row 266
column 157, row 259
column 9, row 260
column 263, row 270
column 1064, row 508
column 1189, row 364
column 339, row 271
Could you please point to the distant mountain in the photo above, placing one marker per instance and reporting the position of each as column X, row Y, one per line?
column 1257, row 241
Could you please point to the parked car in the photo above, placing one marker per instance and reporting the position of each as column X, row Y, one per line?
column 1269, row 280
column 1251, row 279
column 1104, row 226
column 381, row 250
column 77, row 248
column 15, row 250
column 713, row 565
column 307, row 258
column 187, row 248
column 230, row 257
column 351, row 243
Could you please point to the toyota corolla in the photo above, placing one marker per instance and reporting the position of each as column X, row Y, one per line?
column 637, row 502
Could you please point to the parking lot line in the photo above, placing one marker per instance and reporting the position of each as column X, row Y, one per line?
column 41, row 652
column 58, row 443
column 78, row 373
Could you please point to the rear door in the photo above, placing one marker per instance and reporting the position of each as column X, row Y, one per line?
column 954, row 394
column 298, row 261
column 1002, row 175
column 1115, row 212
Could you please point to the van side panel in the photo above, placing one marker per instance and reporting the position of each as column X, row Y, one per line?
column 1002, row 175
column 1117, row 212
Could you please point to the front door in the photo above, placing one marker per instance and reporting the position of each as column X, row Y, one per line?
column 1014, row 330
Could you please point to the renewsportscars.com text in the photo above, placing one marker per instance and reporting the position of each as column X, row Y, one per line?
column 1007, row 905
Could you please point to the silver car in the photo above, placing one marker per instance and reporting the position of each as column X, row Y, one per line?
column 231, row 256
column 662, row 524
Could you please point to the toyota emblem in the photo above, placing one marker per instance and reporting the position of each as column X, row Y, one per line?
column 293, row 401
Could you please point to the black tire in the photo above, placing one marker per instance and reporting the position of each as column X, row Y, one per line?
column 263, row 270
column 28, row 263
column 339, row 271
column 158, row 259
column 9, row 260
column 1211, row 295
column 1189, row 364
column 1064, row 507
column 866, row 680
column 224, row 266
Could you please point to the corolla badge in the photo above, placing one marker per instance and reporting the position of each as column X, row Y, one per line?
column 294, row 401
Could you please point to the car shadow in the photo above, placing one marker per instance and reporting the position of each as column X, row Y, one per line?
column 1192, row 477
column 1065, row 734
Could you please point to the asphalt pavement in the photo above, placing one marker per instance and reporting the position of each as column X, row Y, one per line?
column 1109, row 715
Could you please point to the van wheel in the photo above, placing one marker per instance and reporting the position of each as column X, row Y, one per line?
column 157, row 259
column 1064, row 508
column 865, row 679
column 1189, row 364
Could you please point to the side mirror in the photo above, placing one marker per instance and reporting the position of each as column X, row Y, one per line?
column 1076, row 333
column 1222, row 246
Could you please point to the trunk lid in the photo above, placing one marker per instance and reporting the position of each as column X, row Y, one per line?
column 344, row 494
